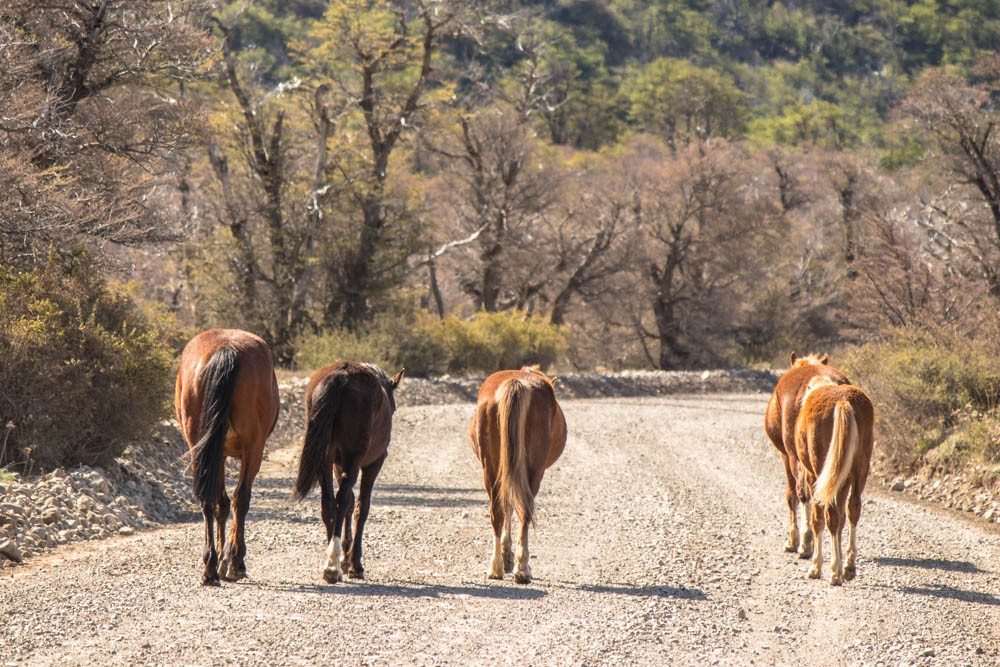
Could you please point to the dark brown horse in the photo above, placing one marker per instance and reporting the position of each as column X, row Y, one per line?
column 227, row 404
column 349, row 409
column 518, row 431
column 833, row 439
column 779, row 422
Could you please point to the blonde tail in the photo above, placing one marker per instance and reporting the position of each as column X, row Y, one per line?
column 515, row 492
column 840, row 456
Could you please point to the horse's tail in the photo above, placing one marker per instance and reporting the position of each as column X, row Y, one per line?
column 319, row 430
column 217, row 383
column 840, row 456
column 515, row 491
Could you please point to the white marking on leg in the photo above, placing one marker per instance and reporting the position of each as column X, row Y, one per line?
column 522, row 570
column 496, row 563
column 332, row 571
column 817, row 560
column 837, row 564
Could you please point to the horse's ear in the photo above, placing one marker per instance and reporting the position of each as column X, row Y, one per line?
column 792, row 358
column 825, row 358
column 397, row 377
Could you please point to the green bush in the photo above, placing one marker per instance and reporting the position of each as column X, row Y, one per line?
column 935, row 393
column 426, row 345
column 85, row 369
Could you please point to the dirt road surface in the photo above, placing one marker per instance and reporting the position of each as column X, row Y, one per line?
column 659, row 542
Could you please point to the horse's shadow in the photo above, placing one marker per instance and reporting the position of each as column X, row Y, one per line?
column 498, row 591
column 930, row 564
column 939, row 591
column 409, row 495
column 644, row 591
column 408, row 590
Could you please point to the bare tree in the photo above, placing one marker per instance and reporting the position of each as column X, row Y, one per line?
column 705, row 225
column 962, row 124
column 90, row 120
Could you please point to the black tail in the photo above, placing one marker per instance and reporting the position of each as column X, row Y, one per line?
column 319, row 433
column 217, row 384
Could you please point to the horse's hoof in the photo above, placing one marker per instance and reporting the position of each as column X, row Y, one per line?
column 836, row 579
column 791, row 548
column 806, row 555
column 332, row 576
column 522, row 577
column 850, row 572
column 355, row 574
column 494, row 575
column 210, row 580
column 814, row 573
column 233, row 574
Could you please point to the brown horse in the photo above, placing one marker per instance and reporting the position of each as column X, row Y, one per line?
column 779, row 423
column 518, row 431
column 349, row 409
column 833, row 438
column 227, row 405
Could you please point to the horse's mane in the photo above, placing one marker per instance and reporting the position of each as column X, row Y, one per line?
column 809, row 360
column 815, row 383
column 536, row 369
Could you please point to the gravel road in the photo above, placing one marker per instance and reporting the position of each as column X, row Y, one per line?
column 659, row 541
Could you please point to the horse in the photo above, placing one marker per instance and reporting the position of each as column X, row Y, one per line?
column 349, row 408
column 517, row 432
column 833, row 439
column 227, row 404
column 779, row 423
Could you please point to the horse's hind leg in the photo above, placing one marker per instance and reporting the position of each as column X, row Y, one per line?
column 818, row 522
column 791, row 497
column 234, row 565
column 505, row 542
column 347, row 541
column 221, row 518
column 332, row 572
column 355, row 570
column 498, row 520
column 853, row 516
column 522, row 570
column 209, row 556
column 835, row 520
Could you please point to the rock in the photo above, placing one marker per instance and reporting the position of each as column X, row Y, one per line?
column 51, row 516
column 10, row 551
column 126, row 531
column 898, row 485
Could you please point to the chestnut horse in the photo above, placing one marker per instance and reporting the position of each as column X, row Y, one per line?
column 779, row 423
column 227, row 404
column 833, row 439
column 349, row 409
column 518, row 431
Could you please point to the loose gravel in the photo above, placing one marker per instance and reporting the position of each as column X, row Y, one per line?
column 659, row 541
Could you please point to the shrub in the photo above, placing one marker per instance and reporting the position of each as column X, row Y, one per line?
column 84, row 370
column 935, row 393
column 426, row 345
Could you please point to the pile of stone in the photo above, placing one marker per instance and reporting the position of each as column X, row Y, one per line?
column 421, row 391
column 146, row 485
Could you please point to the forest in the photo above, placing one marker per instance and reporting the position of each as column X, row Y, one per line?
column 460, row 185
